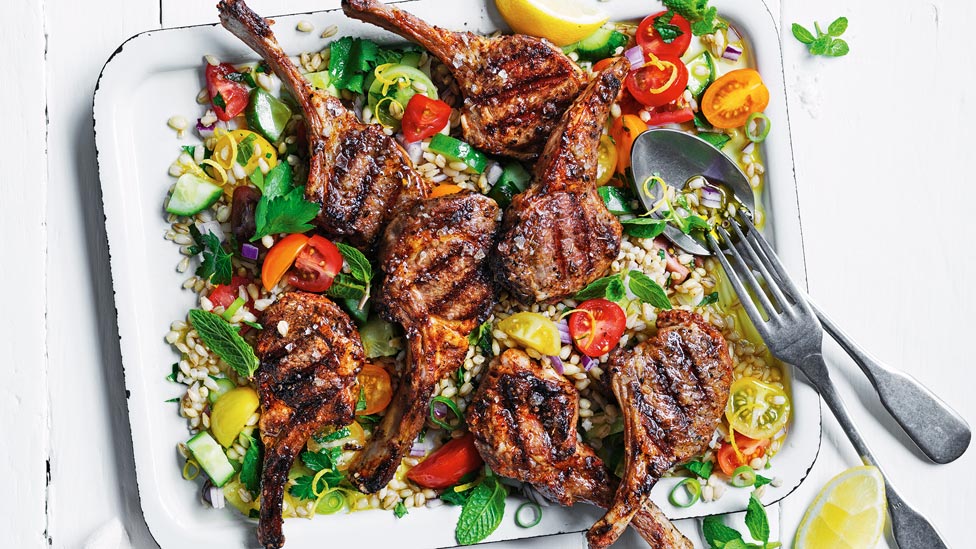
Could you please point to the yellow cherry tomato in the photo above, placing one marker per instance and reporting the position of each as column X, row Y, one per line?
column 757, row 409
column 534, row 331
column 231, row 412
column 606, row 163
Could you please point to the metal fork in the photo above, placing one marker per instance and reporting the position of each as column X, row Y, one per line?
column 789, row 326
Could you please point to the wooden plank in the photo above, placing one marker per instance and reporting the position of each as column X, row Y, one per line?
column 23, row 188
column 92, row 474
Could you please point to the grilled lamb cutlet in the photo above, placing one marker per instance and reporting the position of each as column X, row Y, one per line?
column 524, row 417
column 672, row 390
column 436, row 284
column 306, row 381
column 358, row 174
column 558, row 236
column 515, row 87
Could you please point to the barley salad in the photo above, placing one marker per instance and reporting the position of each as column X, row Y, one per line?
column 249, row 135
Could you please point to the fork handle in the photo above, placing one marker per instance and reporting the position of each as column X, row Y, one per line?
column 941, row 433
column 910, row 529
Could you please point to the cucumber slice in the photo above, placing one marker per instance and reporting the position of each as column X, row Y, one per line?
column 401, row 90
column 322, row 80
column 223, row 385
column 211, row 458
column 601, row 44
column 267, row 114
column 701, row 73
column 192, row 194
column 459, row 151
column 514, row 179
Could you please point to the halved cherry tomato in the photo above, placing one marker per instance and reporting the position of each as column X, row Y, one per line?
column 444, row 189
column 316, row 265
column 374, row 381
column 729, row 460
column 624, row 131
column 606, row 160
column 670, row 114
column 280, row 258
column 660, row 81
column 448, row 464
column 603, row 63
column 756, row 408
column 729, row 101
column 424, row 117
column 597, row 326
column 225, row 294
column 650, row 40
column 229, row 98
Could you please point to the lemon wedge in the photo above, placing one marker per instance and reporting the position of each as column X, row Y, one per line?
column 848, row 513
column 562, row 22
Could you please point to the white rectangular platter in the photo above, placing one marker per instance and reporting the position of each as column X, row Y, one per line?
column 157, row 74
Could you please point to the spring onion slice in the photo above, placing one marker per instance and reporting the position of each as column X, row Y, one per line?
column 330, row 501
column 762, row 127
column 743, row 476
column 191, row 470
column 691, row 489
column 536, row 514
column 233, row 308
column 450, row 406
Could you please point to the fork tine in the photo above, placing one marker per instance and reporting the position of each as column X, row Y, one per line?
column 785, row 281
column 746, row 272
column 771, row 282
column 750, row 307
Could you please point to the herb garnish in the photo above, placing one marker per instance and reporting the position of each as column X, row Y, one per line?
column 251, row 467
column 720, row 536
column 647, row 290
column 216, row 265
column 827, row 43
column 609, row 287
column 318, row 461
column 218, row 101
column 644, row 227
column 222, row 338
column 708, row 299
column 703, row 18
column 245, row 149
column 702, row 469
column 665, row 29
column 400, row 510
column 282, row 207
column 356, row 283
column 482, row 512
column 481, row 338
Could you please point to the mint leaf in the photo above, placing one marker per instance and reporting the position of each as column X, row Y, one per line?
column 400, row 510
column 838, row 27
column 756, row 520
column 717, row 534
column 820, row 45
column 647, row 290
column 802, row 34
column 481, row 337
column 245, row 149
column 615, row 290
column 597, row 288
column 616, row 200
column 708, row 299
column 359, row 266
column 333, row 436
column 222, row 338
column 218, row 101
column 708, row 23
column 715, row 139
column 644, row 227
column 482, row 513
column 702, row 469
column 344, row 286
column 762, row 481
column 454, row 497
column 251, row 467
column 693, row 223
column 838, row 48
column 665, row 29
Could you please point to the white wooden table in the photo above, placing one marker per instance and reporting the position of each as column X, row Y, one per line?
column 883, row 141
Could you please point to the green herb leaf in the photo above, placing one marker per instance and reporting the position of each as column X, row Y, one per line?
column 708, row 299
column 756, row 520
column 838, row 48
column 245, row 149
column 838, row 27
column 454, row 497
column 717, row 140
column 222, row 338
column 360, row 268
column 218, row 101
column 344, row 286
column 288, row 214
column 174, row 399
column 216, row 265
column 820, row 45
column 597, row 288
column 333, row 436
column 616, row 200
column 647, row 290
column 702, row 469
column 371, row 419
column 175, row 372
column 644, row 227
column 481, row 338
column 189, row 149
column 709, row 23
column 400, row 510
column 615, row 290
column 665, row 29
column 323, row 459
column 694, row 223
column 254, row 325
column 361, row 403
column 278, row 182
column 302, row 488
column 482, row 513
column 257, row 178
column 703, row 19
column 802, row 34
column 716, row 533
column 762, row 481
column 251, row 467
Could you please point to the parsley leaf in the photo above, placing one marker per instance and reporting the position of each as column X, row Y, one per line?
column 216, row 265
column 282, row 207
column 323, row 459
column 482, row 513
column 708, row 299
column 361, row 403
column 600, row 288
column 702, row 469
column 400, row 510
column 303, row 488
column 756, row 520
column 251, row 467
column 665, row 29
column 481, row 338
column 647, row 290
column 222, row 338
column 827, row 43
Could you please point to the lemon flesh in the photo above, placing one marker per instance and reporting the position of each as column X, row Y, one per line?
column 848, row 513
column 562, row 22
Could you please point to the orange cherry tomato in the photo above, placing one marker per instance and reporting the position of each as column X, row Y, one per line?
column 316, row 265
column 279, row 259
column 624, row 131
column 597, row 327
column 730, row 100
column 374, row 381
column 444, row 190
column 729, row 460
column 446, row 466
column 603, row 63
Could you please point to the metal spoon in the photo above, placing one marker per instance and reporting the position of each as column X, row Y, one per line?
column 678, row 157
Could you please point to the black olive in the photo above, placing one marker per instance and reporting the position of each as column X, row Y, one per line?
column 242, row 209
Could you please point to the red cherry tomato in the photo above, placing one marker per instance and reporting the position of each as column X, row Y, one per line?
column 597, row 326
column 424, row 117
column 229, row 98
column 448, row 464
column 225, row 294
column 316, row 265
column 660, row 81
column 650, row 39
column 729, row 460
column 670, row 114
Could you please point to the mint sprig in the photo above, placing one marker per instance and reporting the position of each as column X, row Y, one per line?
column 720, row 536
column 482, row 512
column 827, row 44
column 222, row 338
column 703, row 18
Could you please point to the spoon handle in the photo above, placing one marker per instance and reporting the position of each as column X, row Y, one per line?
column 935, row 427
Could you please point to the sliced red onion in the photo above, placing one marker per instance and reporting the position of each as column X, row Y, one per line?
column 212, row 495
column 416, row 152
column 709, row 192
column 588, row 363
column 749, row 148
column 250, row 251
column 495, row 171
column 636, row 57
column 418, row 450
column 557, row 364
column 440, row 410
column 205, row 131
column 732, row 53
column 564, row 336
